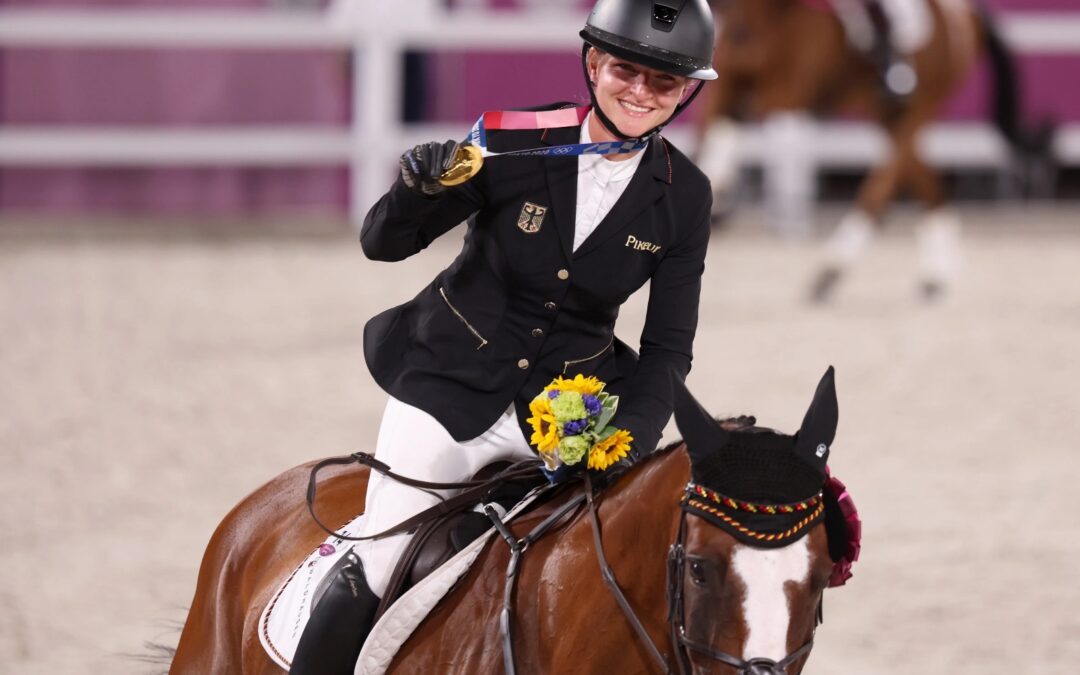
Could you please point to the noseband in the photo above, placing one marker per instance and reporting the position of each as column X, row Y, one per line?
column 684, row 644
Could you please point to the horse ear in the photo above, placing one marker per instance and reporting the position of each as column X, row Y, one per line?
column 699, row 429
column 819, row 425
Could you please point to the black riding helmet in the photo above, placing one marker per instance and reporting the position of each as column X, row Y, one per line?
column 673, row 36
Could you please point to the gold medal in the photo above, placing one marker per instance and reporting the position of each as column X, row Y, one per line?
column 467, row 162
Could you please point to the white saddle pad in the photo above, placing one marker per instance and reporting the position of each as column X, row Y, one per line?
column 911, row 23
column 286, row 615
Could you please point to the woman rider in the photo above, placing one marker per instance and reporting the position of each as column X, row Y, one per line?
column 554, row 245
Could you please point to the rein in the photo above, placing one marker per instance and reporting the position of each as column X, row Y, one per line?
column 471, row 491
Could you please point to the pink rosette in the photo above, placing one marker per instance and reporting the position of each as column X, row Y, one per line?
column 842, row 568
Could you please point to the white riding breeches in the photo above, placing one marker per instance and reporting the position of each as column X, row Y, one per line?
column 414, row 444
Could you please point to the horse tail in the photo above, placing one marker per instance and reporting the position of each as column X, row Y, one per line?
column 1030, row 143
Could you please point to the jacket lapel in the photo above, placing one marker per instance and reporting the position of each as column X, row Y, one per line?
column 645, row 188
column 561, row 173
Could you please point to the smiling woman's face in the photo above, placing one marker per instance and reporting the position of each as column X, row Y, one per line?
column 634, row 97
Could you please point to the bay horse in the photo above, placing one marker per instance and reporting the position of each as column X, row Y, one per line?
column 778, row 60
column 714, row 581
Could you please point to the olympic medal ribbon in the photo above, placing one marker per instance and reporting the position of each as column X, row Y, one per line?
column 470, row 156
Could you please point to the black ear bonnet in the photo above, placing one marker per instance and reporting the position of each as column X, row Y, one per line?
column 763, row 487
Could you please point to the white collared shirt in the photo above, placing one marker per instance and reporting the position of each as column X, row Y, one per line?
column 600, row 183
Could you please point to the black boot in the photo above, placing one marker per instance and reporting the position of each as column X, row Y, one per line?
column 340, row 621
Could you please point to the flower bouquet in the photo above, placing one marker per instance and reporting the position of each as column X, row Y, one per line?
column 570, row 421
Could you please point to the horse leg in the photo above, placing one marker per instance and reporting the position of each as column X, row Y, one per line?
column 797, row 74
column 716, row 153
column 849, row 241
column 719, row 154
column 937, row 234
column 903, row 168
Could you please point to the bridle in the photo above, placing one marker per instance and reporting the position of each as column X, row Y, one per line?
column 684, row 644
column 681, row 643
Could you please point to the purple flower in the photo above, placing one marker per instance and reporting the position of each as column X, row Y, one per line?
column 592, row 405
column 574, row 427
column 553, row 394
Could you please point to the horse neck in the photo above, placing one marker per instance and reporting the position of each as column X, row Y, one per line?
column 640, row 518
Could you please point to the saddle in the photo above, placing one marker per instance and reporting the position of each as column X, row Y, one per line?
column 871, row 30
column 443, row 531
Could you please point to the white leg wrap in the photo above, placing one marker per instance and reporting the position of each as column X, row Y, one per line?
column 414, row 444
column 850, row 239
column 938, row 239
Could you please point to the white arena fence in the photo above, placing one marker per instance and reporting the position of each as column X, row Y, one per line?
column 378, row 34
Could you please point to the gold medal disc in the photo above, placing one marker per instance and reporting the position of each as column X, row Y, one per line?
column 467, row 162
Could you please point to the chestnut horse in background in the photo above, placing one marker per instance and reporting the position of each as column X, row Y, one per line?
column 780, row 59
column 703, row 596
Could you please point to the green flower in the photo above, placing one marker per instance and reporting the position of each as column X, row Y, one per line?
column 568, row 406
column 573, row 448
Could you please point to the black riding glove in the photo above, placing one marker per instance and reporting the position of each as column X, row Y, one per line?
column 607, row 477
column 422, row 166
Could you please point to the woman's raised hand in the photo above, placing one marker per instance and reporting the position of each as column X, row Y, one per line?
column 422, row 166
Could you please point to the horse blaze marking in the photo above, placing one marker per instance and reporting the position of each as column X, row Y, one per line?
column 765, row 572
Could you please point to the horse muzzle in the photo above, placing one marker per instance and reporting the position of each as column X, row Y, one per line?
column 762, row 666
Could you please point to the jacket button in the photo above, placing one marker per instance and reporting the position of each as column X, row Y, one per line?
column 537, row 332
column 563, row 274
column 523, row 364
column 550, row 305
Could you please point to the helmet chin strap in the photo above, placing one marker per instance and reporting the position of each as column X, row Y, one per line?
column 606, row 121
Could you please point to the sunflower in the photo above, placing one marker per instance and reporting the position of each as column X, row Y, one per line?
column 610, row 450
column 545, row 434
column 581, row 384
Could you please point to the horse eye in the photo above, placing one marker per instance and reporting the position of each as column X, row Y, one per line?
column 697, row 572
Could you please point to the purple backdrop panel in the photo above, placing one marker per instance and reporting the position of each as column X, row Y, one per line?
column 1032, row 5
column 999, row 5
column 195, row 191
column 1046, row 92
column 142, row 4
column 464, row 85
column 163, row 87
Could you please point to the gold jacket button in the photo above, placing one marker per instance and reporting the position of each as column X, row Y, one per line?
column 563, row 274
column 550, row 305
column 523, row 364
column 536, row 332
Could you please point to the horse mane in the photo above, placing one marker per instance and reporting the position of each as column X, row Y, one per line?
column 738, row 423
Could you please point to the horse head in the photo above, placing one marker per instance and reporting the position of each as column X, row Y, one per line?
column 756, row 545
